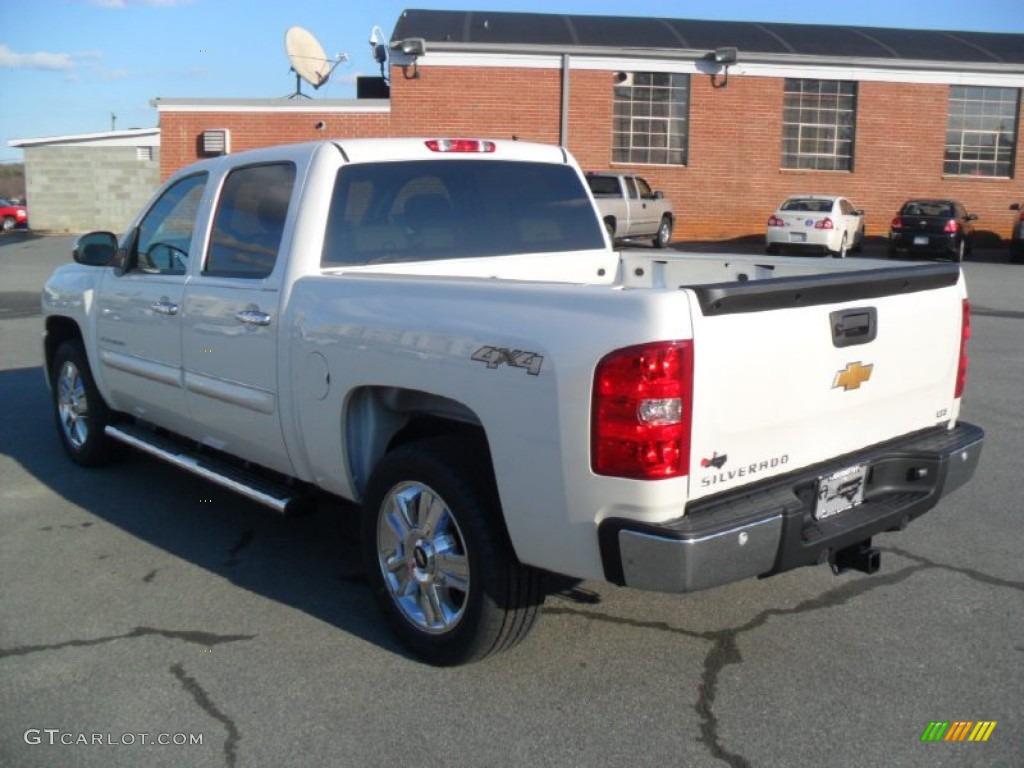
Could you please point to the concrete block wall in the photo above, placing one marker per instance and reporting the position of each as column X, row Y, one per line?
column 75, row 188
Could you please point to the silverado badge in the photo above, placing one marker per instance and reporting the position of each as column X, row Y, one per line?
column 852, row 376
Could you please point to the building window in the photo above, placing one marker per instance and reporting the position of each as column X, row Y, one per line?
column 981, row 131
column 651, row 118
column 818, row 121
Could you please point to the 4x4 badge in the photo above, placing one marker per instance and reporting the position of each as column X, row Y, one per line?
column 852, row 376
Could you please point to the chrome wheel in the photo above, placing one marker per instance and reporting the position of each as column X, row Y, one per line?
column 422, row 557
column 73, row 405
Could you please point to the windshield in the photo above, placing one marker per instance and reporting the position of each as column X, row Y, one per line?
column 447, row 209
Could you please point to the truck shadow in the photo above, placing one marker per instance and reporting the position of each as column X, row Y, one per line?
column 310, row 562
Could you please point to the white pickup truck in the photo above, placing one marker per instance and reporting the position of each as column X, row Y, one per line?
column 440, row 330
column 630, row 209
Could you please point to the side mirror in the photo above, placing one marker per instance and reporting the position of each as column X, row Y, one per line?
column 859, row 212
column 95, row 249
column 659, row 195
column 972, row 217
column 1015, row 207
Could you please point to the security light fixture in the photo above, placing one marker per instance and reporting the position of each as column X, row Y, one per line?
column 723, row 58
column 411, row 48
column 414, row 47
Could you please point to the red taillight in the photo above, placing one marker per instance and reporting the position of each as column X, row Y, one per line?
column 825, row 223
column 640, row 419
column 952, row 227
column 775, row 221
column 965, row 334
column 897, row 223
column 459, row 145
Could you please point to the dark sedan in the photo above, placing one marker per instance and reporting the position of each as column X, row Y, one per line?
column 932, row 228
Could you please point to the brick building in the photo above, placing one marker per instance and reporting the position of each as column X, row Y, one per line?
column 727, row 118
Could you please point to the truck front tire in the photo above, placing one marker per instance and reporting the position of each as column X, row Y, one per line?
column 79, row 409
column 438, row 558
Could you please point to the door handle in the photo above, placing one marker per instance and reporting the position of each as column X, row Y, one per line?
column 164, row 307
column 253, row 317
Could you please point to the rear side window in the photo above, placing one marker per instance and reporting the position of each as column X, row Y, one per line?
column 249, row 222
column 433, row 209
column 604, row 186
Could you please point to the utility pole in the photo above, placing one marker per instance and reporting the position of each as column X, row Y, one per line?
column 113, row 121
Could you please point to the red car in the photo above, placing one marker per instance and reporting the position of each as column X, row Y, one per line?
column 12, row 215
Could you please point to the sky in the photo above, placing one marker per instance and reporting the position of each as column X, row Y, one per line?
column 67, row 65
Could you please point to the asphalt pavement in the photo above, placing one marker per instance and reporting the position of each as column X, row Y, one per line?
column 140, row 605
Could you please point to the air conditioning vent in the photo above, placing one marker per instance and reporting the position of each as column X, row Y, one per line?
column 216, row 141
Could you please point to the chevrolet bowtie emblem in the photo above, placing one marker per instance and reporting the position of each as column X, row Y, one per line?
column 852, row 376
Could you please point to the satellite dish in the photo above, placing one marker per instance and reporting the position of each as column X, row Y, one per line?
column 309, row 62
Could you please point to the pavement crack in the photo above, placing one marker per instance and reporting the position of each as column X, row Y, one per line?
column 970, row 573
column 202, row 698
column 204, row 639
column 725, row 651
column 148, row 578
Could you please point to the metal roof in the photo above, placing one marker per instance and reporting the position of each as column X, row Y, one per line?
column 129, row 137
column 482, row 30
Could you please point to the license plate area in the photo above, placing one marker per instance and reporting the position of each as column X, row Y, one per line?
column 921, row 240
column 797, row 237
column 840, row 491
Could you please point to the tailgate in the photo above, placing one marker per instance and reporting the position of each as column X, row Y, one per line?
column 778, row 388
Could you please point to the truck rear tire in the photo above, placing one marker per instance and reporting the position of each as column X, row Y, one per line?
column 664, row 235
column 438, row 557
column 79, row 409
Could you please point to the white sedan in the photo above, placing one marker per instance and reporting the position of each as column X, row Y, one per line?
column 820, row 223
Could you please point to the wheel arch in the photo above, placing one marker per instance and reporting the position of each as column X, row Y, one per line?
column 58, row 330
column 379, row 419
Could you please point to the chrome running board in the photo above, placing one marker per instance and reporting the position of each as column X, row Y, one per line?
column 277, row 496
